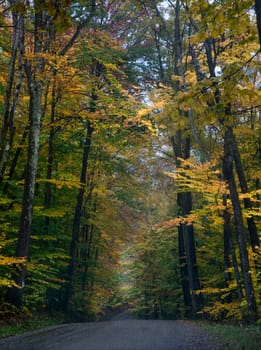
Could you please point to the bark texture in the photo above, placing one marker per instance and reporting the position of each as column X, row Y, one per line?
column 238, row 217
column 12, row 89
column 78, row 215
column 258, row 18
column 34, row 74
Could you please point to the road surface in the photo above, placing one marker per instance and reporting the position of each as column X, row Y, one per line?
column 126, row 334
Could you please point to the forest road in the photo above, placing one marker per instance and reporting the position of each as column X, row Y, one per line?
column 121, row 334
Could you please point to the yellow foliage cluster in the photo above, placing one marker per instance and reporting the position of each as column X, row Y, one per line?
column 6, row 260
column 221, row 311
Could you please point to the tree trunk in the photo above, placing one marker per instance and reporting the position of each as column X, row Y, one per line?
column 236, row 269
column 50, row 159
column 18, row 151
column 183, row 259
column 230, row 152
column 177, row 150
column 185, row 203
column 34, row 73
column 77, row 216
column 193, row 300
column 229, row 253
column 254, row 239
column 15, row 295
column 229, row 177
column 227, row 232
column 258, row 18
column 11, row 93
column 87, row 256
column 184, row 272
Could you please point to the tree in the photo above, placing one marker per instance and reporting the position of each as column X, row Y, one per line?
column 35, row 77
column 196, row 75
column 213, row 48
column 258, row 18
column 35, row 86
column 179, row 137
column 14, row 83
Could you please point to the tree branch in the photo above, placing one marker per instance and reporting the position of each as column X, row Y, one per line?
column 78, row 30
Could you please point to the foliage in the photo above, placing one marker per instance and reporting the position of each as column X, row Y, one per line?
column 155, row 291
column 236, row 337
column 28, row 323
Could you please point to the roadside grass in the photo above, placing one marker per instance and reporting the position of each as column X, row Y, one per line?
column 236, row 337
column 19, row 326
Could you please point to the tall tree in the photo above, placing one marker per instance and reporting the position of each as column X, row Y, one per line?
column 78, row 208
column 213, row 48
column 229, row 177
column 35, row 77
column 14, row 83
column 34, row 74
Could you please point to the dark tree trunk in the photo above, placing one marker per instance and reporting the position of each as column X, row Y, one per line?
column 258, row 18
column 193, row 300
column 254, row 239
column 16, row 157
column 183, row 258
column 227, row 233
column 12, row 93
column 185, row 204
column 184, row 272
column 229, row 253
column 77, row 215
column 15, row 295
column 50, row 159
column 84, row 255
column 230, row 152
column 87, row 256
column 236, row 269
column 229, row 178
column 176, row 142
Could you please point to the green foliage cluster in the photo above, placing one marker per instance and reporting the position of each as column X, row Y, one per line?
column 155, row 291
column 25, row 322
column 236, row 337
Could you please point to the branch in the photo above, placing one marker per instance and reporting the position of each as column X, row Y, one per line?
column 78, row 30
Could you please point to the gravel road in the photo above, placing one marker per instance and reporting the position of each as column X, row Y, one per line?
column 122, row 334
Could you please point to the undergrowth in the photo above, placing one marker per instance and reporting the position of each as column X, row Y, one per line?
column 22, row 325
column 235, row 337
